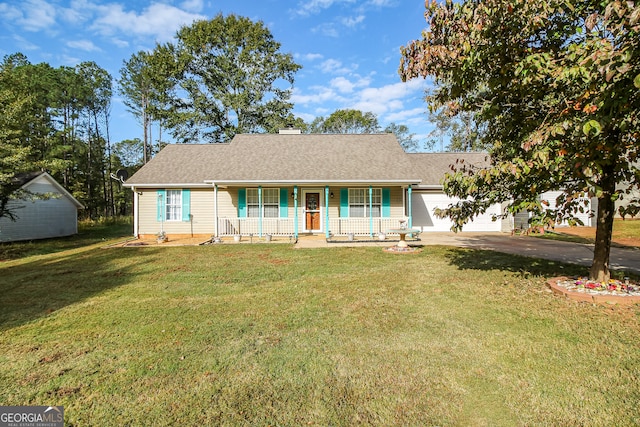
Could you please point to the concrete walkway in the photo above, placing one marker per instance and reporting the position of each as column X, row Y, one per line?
column 575, row 253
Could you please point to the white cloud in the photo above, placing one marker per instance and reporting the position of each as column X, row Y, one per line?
column 24, row 43
column 327, row 29
column 343, row 85
column 403, row 116
column 370, row 106
column 158, row 20
column 9, row 13
column 70, row 60
column 307, row 117
column 346, row 86
column 119, row 42
column 309, row 56
column 387, row 93
column 380, row 3
column 352, row 22
column 30, row 15
column 86, row 45
column 306, row 8
column 321, row 94
column 333, row 66
column 78, row 12
column 193, row 5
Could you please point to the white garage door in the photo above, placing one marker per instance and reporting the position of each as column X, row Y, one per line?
column 424, row 205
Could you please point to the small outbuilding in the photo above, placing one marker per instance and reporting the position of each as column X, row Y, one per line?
column 53, row 215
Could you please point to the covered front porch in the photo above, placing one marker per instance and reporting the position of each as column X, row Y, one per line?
column 329, row 210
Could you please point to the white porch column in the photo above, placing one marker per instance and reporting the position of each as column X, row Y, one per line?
column 371, row 211
column 295, row 211
column 410, row 213
column 260, row 207
column 215, row 210
column 136, row 215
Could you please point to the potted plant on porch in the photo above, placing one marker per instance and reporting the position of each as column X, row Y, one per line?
column 162, row 237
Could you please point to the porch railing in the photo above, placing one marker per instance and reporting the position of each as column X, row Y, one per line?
column 286, row 226
column 246, row 226
column 362, row 226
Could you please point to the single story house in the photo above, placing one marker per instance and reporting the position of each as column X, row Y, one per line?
column 290, row 183
column 55, row 215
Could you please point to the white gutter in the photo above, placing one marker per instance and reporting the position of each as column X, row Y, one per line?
column 206, row 184
column 314, row 181
column 427, row 187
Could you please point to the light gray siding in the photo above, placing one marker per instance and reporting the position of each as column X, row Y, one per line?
column 41, row 219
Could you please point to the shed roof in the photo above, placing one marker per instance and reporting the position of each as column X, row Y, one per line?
column 27, row 180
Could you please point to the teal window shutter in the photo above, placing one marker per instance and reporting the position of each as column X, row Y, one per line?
column 161, row 201
column 186, row 204
column 284, row 203
column 386, row 202
column 344, row 202
column 242, row 203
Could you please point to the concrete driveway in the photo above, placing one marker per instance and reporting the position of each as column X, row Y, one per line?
column 575, row 253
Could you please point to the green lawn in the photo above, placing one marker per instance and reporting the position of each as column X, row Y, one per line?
column 269, row 335
column 626, row 233
column 89, row 232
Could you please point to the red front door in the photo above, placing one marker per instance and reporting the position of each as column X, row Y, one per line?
column 312, row 211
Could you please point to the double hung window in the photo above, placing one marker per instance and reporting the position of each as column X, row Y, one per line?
column 270, row 202
column 174, row 205
column 359, row 206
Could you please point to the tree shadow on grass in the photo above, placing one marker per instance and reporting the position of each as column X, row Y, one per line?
column 35, row 289
column 486, row 260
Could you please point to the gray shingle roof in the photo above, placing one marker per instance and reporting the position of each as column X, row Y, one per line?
column 431, row 167
column 277, row 158
column 281, row 158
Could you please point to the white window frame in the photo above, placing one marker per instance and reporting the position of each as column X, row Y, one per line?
column 376, row 201
column 270, row 199
column 173, row 205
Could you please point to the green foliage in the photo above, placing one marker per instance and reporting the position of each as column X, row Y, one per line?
column 14, row 158
column 346, row 121
column 554, row 84
column 145, row 85
column 462, row 132
column 221, row 77
column 407, row 140
column 61, row 127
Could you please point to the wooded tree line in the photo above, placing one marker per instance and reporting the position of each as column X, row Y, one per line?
column 57, row 119
column 220, row 77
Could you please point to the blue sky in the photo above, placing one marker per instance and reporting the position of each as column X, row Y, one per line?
column 348, row 49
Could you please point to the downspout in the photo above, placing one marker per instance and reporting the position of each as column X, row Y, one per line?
column 326, row 216
column 136, row 216
column 371, row 211
column 410, row 213
column 295, row 210
column 260, row 207
column 215, row 210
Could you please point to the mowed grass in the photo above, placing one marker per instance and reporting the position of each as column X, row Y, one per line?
column 89, row 232
column 625, row 233
column 269, row 335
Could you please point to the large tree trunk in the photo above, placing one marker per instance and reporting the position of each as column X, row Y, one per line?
column 604, row 228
